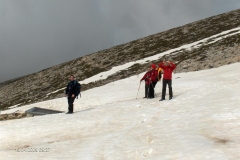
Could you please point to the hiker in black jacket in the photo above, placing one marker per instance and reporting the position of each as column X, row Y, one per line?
column 71, row 93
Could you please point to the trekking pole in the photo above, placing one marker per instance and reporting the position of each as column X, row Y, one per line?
column 138, row 89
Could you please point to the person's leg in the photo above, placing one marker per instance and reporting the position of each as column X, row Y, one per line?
column 154, row 84
column 164, row 89
column 69, row 103
column 71, row 100
column 151, row 91
column 72, row 103
column 146, row 91
column 170, row 89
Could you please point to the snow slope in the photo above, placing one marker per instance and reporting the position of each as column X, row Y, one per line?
column 201, row 122
column 197, row 44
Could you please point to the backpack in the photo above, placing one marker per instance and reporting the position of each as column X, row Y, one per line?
column 78, row 85
column 159, row 74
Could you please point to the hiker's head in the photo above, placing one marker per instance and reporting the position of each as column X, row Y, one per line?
column 153, row 66
column 71, row 78
column 166, row 63
column 149, row 69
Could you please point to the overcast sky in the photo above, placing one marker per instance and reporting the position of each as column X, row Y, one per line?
column 37, row 34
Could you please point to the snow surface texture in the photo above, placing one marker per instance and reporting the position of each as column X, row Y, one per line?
column 201, row 122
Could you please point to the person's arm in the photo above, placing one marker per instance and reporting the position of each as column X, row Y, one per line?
column 173, row 66
column 75, row 89
column 66, row 90
column 162, row 65
column 144, row 77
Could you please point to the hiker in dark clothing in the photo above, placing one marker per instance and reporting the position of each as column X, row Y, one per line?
column 146, row 77
column 168, row 68
column 71, row 93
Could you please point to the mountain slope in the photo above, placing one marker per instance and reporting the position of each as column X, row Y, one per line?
column 201, row 122
column 36, row 87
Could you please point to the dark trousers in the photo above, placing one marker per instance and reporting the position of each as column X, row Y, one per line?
column 151, row 91
column 146, row 90
column 165, row 83
column 70, row 104
column 154, row 84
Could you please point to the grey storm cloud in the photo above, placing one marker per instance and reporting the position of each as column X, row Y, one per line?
column 37, row 34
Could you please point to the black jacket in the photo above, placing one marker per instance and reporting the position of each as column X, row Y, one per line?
column 71, row 88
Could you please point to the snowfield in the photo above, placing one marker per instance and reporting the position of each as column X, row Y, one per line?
column 202, row 122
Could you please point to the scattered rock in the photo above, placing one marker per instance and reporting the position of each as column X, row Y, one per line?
column 4, row 117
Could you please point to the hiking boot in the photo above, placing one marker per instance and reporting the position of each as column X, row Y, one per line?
column 161, row 99
column 170, row 98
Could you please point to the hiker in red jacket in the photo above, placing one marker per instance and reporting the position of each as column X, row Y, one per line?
column 168, row 68
column 153, row 81
column 146, row 77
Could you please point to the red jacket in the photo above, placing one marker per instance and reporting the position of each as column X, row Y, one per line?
column 167, row 70
column 154, row 75
column 146, row 77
